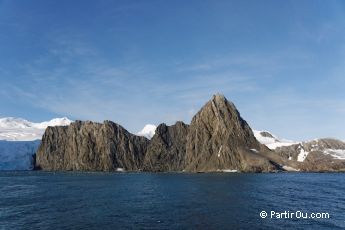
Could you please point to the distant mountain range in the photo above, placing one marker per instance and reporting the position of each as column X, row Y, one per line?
column 217, row 140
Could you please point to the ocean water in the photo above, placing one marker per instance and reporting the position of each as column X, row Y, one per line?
column 44, row 200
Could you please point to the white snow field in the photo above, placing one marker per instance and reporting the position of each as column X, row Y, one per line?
column 272, row 142
column 18, row 129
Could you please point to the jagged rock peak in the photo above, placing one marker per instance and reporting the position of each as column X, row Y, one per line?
column 167, row 148
column 219, row 139
column 221, row 114
column 162, row 128
column 218, row 97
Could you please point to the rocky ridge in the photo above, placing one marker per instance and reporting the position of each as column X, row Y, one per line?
column 167, row 148
column 316, row 155
column 90, row 146
column 218, row 139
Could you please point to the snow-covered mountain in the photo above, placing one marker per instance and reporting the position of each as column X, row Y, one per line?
column 272, row 141
column 18, row 129
column 148, row 131
column 19, row 140
column 325, row 154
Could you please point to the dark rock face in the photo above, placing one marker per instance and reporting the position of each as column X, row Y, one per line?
column 167, row 148
column 219, row 139
column 267, row 134
column 89, row 146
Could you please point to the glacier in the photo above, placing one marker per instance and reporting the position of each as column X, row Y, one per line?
column 20, row 139
column 18, row 155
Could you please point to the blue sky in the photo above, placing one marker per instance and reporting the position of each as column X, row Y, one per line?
column 136, row 62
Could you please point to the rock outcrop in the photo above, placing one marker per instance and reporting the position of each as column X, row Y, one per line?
column 167, row 148
column 315, row 156
column 90, row 146
column 219, row 139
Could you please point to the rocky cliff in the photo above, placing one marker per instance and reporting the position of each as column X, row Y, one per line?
column 167, row 148
column 219, row 139
column 91, row 146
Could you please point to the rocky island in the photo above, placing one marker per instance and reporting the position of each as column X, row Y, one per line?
column 217, row 140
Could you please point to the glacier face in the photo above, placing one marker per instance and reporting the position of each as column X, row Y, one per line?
column 19, row 141
column 17, row 155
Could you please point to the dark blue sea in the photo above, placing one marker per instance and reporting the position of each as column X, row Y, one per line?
column 67, row 200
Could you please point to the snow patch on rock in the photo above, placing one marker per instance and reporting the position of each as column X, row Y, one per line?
column 290, row 169
column 302, row 155
column 220, row 149
column 229, row 170
column 271, row 141
column 336, row 153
